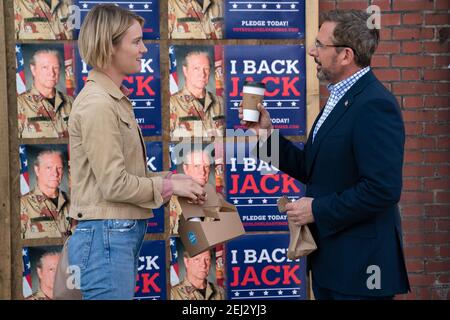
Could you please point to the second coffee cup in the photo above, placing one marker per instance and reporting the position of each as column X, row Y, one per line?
column 253, row 93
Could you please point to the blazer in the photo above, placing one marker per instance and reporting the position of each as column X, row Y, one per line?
column 353, row 170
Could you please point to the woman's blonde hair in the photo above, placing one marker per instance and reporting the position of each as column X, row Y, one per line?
column 104, row 27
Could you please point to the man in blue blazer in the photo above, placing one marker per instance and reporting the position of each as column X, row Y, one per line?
column 352, row 168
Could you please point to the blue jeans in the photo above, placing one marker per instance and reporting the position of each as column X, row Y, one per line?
column 107, row 252
column 321, row 293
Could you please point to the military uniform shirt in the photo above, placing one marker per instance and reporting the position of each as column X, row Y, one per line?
column 188, row 20
column 40, row 218
column 39, row 119
column 189, row 118
column 186, row 291
column 36, row 20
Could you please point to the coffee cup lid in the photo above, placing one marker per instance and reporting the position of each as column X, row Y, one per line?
column 254, row 84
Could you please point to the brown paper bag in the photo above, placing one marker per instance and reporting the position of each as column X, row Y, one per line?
column 64, row 288
column 301, row 241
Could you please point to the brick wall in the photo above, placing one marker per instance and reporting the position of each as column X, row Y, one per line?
column 413, row 62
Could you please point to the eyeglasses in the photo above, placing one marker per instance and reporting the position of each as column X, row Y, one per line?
column 320, row 45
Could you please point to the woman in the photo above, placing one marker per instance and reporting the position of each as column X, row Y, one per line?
column 112, row 190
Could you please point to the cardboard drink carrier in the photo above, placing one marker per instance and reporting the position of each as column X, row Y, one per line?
column 215, row 222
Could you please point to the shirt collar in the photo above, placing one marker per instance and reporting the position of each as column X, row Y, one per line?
column 348, row 82
column 107, row 83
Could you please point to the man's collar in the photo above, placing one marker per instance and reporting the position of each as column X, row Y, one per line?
column 358, row 74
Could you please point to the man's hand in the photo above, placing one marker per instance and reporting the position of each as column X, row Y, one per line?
column 264, row 120
column 300, row 211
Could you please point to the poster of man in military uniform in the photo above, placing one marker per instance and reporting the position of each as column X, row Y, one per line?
column 43, row 110
column 43, row 19
column 197, row 163
column 44, row 210
column 195, row 111
column 195, row 19
column 197, row 274
column 43, row 262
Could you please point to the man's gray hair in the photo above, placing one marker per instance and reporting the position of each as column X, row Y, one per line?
column 352, row 31
column 196, row 53
column 40, row 262
column 44, row 51
column 38, row 160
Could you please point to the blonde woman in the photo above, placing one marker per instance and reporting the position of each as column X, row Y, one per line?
column 113, row 193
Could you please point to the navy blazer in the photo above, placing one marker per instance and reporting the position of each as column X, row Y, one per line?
column 353, row 170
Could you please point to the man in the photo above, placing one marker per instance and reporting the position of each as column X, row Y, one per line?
column 194, row 111
column 197, row 165
column 195, row 19
column 352, row 168
column 195, row 285
column 42, row 19
column 45, row 209
column 46, row 269
column 43, row 111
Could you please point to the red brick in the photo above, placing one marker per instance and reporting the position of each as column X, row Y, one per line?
column 437, row 157
column 444, row 251
column 388, row 47
column 443, row 197
column 326, row 5
column 411, row 74
column 442, row 4
column 411, row 210
column 433, row 101
column 436, row 183
column 420, row 251
column 443, row 115
column 437, row 128
column 412, row 18
column 385, row 5
column 387, row 74
column 437, row 210
column 437, row 18
column 436, row 47
column 411, row 184
column 439, row 293
column 417, row 197
column 406, row 33
column 385, row 34
column 417, row 224
column 437, row 266
column 414, row 102
column 434, row 238
column 390, row 19
column 413, row 157
column 415, row 266
column 418, row 115
column 380, row 61
column 421, row 280
column 361, row 5
column 413, row 129
column 412, row 5
column 443, row 143
column 443, row 225
column 441, row 61
column 418, row 171
column 411, row 47
column 413, row 88
column 442, row 88
column 442, row 171
column 412, row 61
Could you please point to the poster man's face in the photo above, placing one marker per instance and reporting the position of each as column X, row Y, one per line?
column 46, row 70
column 198, row 266
column 49, row 173
column 197, row 166
column 197, row 70
column 46, row 274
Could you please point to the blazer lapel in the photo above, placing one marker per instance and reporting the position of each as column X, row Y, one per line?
column 333, row 118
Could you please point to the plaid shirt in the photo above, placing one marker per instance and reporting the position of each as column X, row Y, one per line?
column 337, row 91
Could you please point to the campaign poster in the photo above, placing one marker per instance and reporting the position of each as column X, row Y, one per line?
column 39, row 264
column 258, row 268
column 155, row 164
column 147, row 9
column 145, row 88
column 254, row 187
column 282, row 70
column 151, row 278
column 283, row 19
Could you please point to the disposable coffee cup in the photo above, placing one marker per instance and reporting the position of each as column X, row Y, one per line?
column 253, row 93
